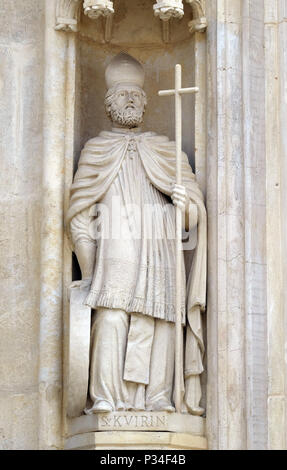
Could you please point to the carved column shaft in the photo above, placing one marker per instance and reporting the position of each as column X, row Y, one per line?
column 237, row 358
column 58, row 135
column 50, row 361
column 276, row 165
column 200, row 128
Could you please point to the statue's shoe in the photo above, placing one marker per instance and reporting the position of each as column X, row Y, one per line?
column 100, row 407
column 196, row 411
column 161, row 405
column 169, row 408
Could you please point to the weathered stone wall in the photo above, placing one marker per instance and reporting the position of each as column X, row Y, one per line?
column 21, row 108
column 246, row 202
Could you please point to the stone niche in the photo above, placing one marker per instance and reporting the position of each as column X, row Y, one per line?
column 159, row 47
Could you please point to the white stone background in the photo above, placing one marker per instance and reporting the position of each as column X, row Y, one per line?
column 244, row 177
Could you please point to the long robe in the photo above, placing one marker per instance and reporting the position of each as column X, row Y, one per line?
column 99, row 164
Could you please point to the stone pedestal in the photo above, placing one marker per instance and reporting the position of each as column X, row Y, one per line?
column 136, row 430
column 113, row 440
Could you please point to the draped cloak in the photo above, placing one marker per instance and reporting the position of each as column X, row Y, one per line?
column 99, row 164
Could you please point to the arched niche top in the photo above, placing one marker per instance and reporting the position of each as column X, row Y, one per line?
column 68, row 14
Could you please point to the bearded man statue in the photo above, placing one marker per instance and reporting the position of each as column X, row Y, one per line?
column 122, row 224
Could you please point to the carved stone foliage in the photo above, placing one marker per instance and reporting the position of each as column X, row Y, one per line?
column 68, row 15
column 199, row 23
column 167, row 9
column 96, row 8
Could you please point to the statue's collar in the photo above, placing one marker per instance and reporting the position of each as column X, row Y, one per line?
column 126, row 134
column 135, row 131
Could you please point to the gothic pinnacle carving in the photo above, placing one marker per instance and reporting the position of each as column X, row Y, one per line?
column 96, row 8
column 167, row 9
column 199, row 23
column 68, row 15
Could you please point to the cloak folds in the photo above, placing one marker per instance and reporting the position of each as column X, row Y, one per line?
column 99, row 164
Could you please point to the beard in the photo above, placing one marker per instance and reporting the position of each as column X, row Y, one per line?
column 126, row 117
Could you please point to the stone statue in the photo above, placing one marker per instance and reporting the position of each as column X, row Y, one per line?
column 122, row 224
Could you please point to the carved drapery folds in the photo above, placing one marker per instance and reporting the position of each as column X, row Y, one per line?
column 167, row 9
column 68, row 15
column 199, row 23
column 96, row 8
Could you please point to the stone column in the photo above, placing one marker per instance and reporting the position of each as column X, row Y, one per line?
column 51, row 309
column 276, row 163
column 21, row 108
column 237, row 356
column 253, row 86
column 72, row 139
column 200, row 109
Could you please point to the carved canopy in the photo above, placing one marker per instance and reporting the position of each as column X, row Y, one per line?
column 68, row 12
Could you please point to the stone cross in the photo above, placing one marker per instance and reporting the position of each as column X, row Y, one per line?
column 177, row 92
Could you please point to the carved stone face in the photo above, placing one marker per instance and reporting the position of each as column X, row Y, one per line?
column 125, row 105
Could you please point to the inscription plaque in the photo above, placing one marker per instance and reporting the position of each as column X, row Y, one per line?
column 133, row 421
column 138, row 421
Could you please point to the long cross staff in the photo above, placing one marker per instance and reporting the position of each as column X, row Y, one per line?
column 177, row 92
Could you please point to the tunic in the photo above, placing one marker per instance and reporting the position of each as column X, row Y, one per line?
column 134, row 224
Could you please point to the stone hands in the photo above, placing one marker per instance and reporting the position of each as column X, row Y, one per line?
column 179, row 199
column 178, row 196
column 83, row 285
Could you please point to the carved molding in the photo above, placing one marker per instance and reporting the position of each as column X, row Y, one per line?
column 199, row 22
column 96, row 8
column 167, row 9
column 68, row 15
